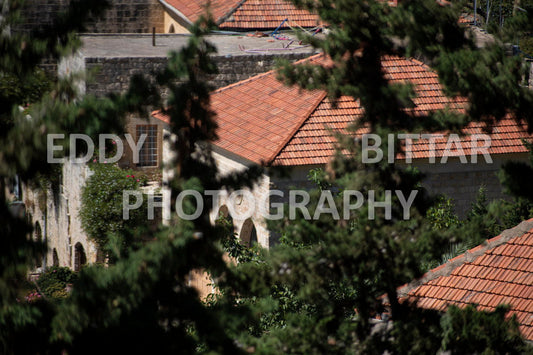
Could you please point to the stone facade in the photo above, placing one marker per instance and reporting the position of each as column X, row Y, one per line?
column 124, row 16
column 172, row 25
column 460, row 182
column 245, row 215
column 56, row 212
column 114, row 74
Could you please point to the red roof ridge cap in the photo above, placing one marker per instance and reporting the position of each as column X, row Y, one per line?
column 470, row 255
column 421, row 63
column 321, row 97
column 224, row 17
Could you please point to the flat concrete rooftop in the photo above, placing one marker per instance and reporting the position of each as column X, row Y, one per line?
column 113, row 46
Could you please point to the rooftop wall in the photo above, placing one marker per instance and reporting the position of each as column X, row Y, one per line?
column 124, row 16
column 113, row 74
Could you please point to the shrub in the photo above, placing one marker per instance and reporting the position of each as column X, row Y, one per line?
column 442, row 214
column 101, row 211
column 54, row 281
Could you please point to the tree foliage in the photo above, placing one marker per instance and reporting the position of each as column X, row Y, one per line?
column 470, row 331
column 54, row 108
column 54, row 281
column 101, row 213
column 331, row 285
column 344, row 269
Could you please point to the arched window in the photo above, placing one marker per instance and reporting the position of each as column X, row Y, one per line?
column 223, row 212
column 55, row 258
column 171, row 29
column 223, row 217
column 39, row 239
column 80, row 258
column 100, row 256
column 248, row 233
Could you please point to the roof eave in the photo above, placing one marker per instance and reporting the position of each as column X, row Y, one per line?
column 177, row 13
column 452, row 264
column 223, row 18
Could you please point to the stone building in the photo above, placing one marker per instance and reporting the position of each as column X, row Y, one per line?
column 115, row 59
column 261, row 121
column 54, row 214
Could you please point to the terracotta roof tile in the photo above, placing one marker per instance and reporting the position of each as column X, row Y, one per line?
column 287, row 126
column 498, row 275
column 248, row 14
column 269, row 14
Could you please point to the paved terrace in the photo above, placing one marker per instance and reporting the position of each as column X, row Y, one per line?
column 120, row 46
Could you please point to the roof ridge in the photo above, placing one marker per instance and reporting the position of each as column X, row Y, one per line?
column 321, row 97
column 252, row 78
column 232, row 10
column 447, row 268
column 419, row 62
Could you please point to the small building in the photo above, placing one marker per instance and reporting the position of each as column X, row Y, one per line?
column 242, row 15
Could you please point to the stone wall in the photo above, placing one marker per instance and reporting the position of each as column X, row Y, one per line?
column 461, row 182
column 56, row 211
column 243, row 207
column 463, row 187
column 124, row 16
column 113, row 74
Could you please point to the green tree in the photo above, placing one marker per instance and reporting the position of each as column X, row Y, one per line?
column 343, row 270
column 53, row 108
column 470, row 331
column 102, row 199
column 145, row 293
column 442, row 214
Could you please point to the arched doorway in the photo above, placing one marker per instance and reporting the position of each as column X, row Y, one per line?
column 80, row 258
column 55, row 258
column 100, row 256
column 39, row 239
column 248, row 233
column 223, row 218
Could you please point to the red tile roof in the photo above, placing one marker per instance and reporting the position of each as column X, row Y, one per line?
column 264, row 121
column 258, row 116
column 254, row 127
column 248, row 14
column 312, row 143
column 269, row 14
column 193, row 9
column 500, row 271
